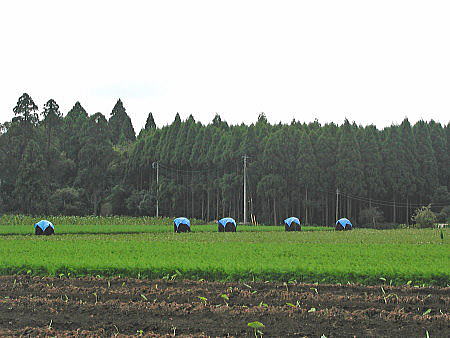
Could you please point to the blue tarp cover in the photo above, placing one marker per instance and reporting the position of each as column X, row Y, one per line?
column 44, row 225
column 182, row 220
column 344, row 222
column 226, row 220
column 289, row 220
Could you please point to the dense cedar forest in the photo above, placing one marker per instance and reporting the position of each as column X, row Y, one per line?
column 81, row 164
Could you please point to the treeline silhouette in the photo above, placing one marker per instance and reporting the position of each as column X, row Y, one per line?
column 81, row 164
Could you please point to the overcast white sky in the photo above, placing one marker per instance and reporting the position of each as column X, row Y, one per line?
column 370, row 61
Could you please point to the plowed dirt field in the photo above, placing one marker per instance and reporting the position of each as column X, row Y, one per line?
column 117, row 306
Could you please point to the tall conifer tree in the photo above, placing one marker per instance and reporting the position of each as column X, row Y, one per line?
column 31, row 191
column 349, row 173
column 74, row 124
column 122, row 130
column 427, row 177
column 150, row 122
column 96, row 154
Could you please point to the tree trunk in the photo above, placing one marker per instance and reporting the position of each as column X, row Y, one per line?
column 350, row 208
column 274, row 213
column 306, row 207
column 203, row 204
column 217, row 204
column 407, row 211
column 95, row 203
column 394, row 220
column 208, row 206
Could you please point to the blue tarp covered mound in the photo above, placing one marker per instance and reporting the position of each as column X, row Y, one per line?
column 44, row 227
column 227, row 225
column 181, row 224
column 344, row 224
column 292, row 224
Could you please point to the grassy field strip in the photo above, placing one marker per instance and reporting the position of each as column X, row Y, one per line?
column 89, row 220
column 114, row 229
column 365, row 256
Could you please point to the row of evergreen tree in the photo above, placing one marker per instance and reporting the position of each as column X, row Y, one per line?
column 79, row 164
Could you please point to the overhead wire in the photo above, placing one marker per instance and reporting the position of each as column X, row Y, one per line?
column 378, row 202
column 390, row 203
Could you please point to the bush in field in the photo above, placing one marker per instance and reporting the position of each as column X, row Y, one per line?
column 371, row 216
column 424, row 217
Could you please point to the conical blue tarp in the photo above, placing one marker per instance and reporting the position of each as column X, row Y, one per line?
column 181, row 220
column 44, row 225
column 344, row 222
column 226, row 220
column 289, row 220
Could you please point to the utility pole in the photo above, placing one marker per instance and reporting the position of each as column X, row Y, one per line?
column 245, row 188
column 337, row 203
column 156, row 165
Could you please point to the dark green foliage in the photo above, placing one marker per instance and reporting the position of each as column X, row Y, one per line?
column 372, row 161
column 401, row 168
column 117, row 198
column 392, row 161
column 427, row 177
column 140, row 203
column 409, row 161
column 31, row 192
column 441, row 151
column 73, row 127
column 150, row 123
column 370, row 216
column 67, row 201
column 349, row 174
column 25, row 111
column 349, row 169
column 95, row 155
column 444, row 215
column 122, row 130
column 51, row 114
column 85, row 164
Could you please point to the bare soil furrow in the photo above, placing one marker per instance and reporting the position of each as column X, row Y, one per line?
column 42, row 306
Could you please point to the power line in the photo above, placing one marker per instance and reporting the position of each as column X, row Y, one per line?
column 380, row 202
column 187, row 171
column 338, row 193
column 391, row 203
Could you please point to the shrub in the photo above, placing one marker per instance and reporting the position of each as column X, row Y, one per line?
column 424, row 217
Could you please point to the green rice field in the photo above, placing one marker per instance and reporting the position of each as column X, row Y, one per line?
column 407, row 256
